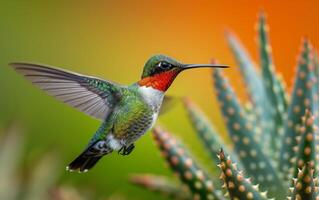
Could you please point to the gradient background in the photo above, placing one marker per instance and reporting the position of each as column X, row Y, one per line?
column 112, row 40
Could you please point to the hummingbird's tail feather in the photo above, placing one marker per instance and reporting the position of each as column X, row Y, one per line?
column 83, row 163
column 87, row 159
column 90, row 163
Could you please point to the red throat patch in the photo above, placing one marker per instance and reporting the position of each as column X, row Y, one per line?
column 160, row 81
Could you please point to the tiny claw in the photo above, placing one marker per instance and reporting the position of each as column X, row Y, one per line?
column 124, row 151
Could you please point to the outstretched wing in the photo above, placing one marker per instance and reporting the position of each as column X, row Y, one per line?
column 90, row 95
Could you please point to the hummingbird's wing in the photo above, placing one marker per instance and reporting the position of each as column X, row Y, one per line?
column 93, row 96
column 168, row 103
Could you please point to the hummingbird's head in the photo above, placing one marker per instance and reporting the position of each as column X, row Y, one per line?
column 160, row 71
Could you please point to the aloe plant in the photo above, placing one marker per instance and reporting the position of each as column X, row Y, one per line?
column 274, row 135
column 304, row 185
column 237, row 185
column 185, row 167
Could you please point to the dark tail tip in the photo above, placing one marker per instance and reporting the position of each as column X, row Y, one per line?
column 83, row 163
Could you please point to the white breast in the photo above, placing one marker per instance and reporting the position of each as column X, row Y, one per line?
column 152, row 97
column 155, row 115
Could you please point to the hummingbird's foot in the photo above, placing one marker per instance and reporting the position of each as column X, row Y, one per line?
column 126, row 150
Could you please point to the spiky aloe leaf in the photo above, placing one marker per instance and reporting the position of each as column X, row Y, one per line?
column 161, row 185
column 256, row 89
column 301, row 99
column 316, row 63
column 241, row 131
column 316, row 96
column 273, row 86
column 306, row 148
column 304, row 185
column 206, row 131
column 185, row 167
column 238, row 187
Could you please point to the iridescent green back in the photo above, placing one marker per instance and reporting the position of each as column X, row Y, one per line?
column 131, row 117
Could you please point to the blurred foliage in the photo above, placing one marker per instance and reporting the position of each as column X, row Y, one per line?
column 38, row 181
column 162, row 185
column 274, row 138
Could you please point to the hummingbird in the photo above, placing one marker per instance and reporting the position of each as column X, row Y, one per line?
column 126, row 112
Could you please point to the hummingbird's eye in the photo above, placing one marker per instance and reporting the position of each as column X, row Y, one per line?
column 165, row 65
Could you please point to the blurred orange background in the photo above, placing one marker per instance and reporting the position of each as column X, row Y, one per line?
column 113, row 39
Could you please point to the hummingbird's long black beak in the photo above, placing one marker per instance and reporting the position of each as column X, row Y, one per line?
column 191, row 66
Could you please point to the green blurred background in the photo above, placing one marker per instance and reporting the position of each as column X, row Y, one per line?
column 112, row 40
